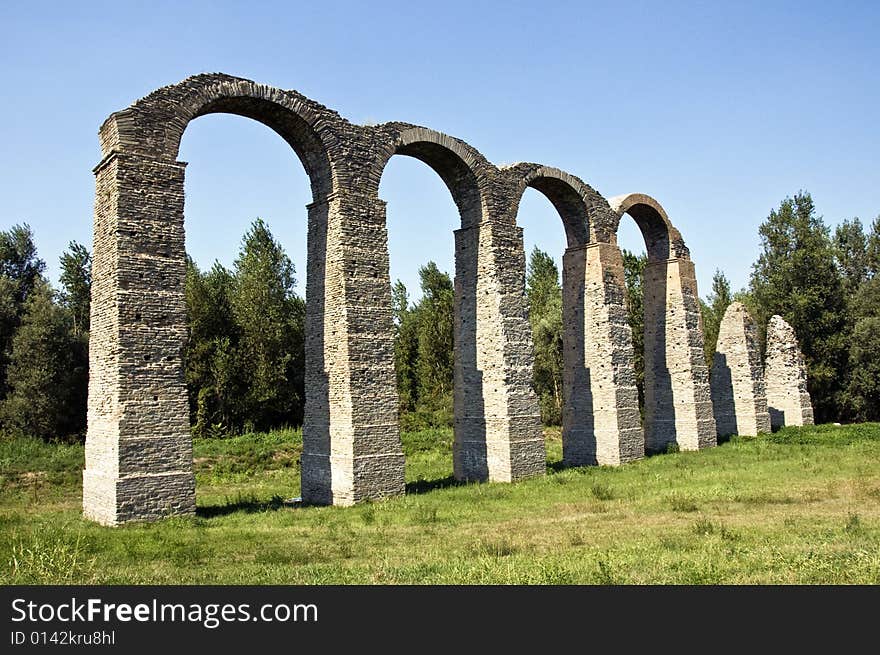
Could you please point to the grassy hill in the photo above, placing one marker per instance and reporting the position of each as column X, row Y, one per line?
column 798, row 506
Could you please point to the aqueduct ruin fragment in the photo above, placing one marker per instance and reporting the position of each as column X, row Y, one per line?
column 785, row 375
column 739, row 397
column 138, row 447
column 678, row 403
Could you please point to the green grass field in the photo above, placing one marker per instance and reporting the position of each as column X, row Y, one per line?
column 799, row 506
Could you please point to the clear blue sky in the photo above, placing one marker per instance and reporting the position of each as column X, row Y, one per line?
column 719, row 110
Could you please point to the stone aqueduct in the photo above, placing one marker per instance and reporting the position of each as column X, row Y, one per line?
column 138, row 447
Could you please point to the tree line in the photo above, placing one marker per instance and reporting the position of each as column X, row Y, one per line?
column 244, row 357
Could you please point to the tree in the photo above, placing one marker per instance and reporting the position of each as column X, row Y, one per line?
column 76, row 279
column 544, row 295
column 873, row 248
column 46, row 395
column 861, row 398
column 796, row 277
column 19, row 261
column 633, row 270
column 851, row 253
column 423, row 349
column 435, row 337
column 20, row 271
column 8, row 324
column 270, row 319
column 406, row 348
column 713, row 313
column 210, row 356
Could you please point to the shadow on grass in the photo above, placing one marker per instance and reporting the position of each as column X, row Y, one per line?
column 247, row 505
column 557, row 467
column 424, row 486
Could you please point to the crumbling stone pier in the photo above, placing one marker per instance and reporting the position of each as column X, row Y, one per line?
column 785, row 375
column 739, row 397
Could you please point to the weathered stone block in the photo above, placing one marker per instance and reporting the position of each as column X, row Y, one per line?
column 678, row 404
column 785, row 376
column 739, row 397
column 601, row 423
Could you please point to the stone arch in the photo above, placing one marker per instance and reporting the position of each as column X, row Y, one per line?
column 153, row 126
column 138, row 447
column 570, row 196
column 138, row 450
column 678, row 405
column 600, row 403
column 662, row 240
column 464, row 171
column 497, row 431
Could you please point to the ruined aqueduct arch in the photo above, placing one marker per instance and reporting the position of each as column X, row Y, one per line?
column 139, row 449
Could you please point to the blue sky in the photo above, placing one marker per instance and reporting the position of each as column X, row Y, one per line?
column 719, row 110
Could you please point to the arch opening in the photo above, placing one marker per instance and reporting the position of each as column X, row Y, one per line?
column 458, row 177
column 654, row 229
column 676, row 402
column 421, row 216
column 467, row 415
column 555, row 297
column 243, row 194
column 290, row 126
column 544, row 244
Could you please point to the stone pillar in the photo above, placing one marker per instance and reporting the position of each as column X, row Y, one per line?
column 678, row 404
column 138, row 446
column 601, row 422
column 351, row 439
column 497, row 423
column 785, row 375
column 739, row 398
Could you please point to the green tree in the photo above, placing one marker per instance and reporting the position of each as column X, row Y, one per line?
column 713, row 312
column 873, row 247
column 46, row 386
column 20, row 271
column 634, row 269
column 19, row 261
column 8, row 324
column 851, row 253
column 406, row 348
column 544, row 295
column 796, row 277
column 858, row 256
column 211, row 363
column 423, row 349
column 861, row 398
column 270, row 319
column 76, row 280
column 435, row 337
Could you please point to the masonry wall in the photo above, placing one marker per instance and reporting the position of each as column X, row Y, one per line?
column 498, row 433
column 139, row 449
column 785, row 375
column 601, row 418
column 678, row 403
column 739, row 397
column 351, row 442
